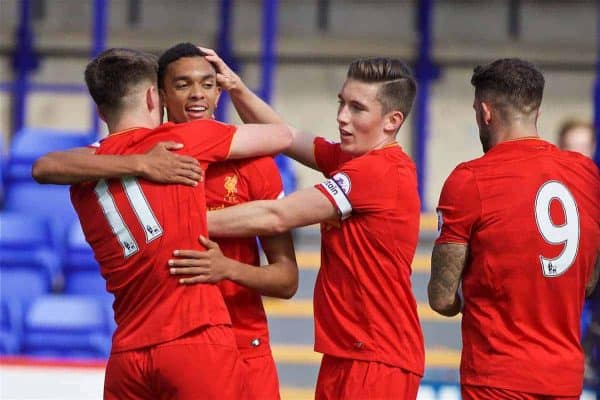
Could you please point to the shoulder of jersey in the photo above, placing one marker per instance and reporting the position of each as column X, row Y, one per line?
column 207, row 122
column 397, row 155
column 366, row 165
column 584, row 161
column 462, row 168
column 212, row 122
column 482, row 159
column 578, row 157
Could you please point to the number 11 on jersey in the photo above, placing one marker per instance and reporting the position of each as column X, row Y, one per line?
column 141, row 208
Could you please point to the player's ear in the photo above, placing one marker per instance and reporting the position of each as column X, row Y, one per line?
column 486, row 113
column 393, row 121
column 152, row 98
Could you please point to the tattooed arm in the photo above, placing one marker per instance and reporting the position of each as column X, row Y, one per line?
column 447, row 264
column 594, row 278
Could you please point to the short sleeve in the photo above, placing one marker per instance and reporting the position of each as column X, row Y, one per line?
column 264, row 179
column 208, row 140
column 459, row 207
column 327, row 155
column 356, row 188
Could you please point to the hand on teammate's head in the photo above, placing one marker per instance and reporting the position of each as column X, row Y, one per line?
column 226, row 77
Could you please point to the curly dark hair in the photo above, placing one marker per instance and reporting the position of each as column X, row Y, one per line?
column 509, row 82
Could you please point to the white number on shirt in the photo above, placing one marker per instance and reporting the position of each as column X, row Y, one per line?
column 567, row 234
column 140, row 206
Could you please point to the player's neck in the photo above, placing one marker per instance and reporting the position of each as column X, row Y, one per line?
column 516, row 132
column 384, row 142
column 129, row 121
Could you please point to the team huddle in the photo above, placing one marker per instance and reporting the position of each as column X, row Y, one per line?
column 518, row 248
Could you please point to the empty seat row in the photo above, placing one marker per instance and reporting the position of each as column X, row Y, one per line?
column 49, row 202
column 33, row 321
column 31, row 266
column 30, row 143
column 57, row 326
column 16, row 161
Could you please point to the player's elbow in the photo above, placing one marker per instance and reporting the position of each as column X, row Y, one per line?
column 272, row 218
column 277, row 227
column 291, row 286
column 278, row 222
column 438, row 305
column 283, row 291
column 442, row 304
column 39, row 170
column 288, row 290
column 445, row 308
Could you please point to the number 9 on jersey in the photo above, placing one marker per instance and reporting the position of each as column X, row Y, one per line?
column 566, row 234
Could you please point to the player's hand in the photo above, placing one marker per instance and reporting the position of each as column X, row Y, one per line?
column 161, row 165
column 226, row 78
column 208, row 266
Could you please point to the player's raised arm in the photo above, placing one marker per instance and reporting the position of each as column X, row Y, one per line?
column 253, row 110
column 447, row 264
column 302, row 148
column 159, row 164
column 251, row 140
column 267, row 217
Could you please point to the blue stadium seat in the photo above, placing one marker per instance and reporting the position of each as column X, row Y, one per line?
column 22, row 281
column 48, row 201
column 31, row 143
column 78, row 253
column 11, row 322
column 86, row 283
column 25, row 243
column 23, row 231
column 81, row 270
column 67, row 326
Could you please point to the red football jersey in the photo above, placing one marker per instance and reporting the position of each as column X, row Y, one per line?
column 530, row 215
column 134, row 225
column 227, row 184
column 363, row 303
